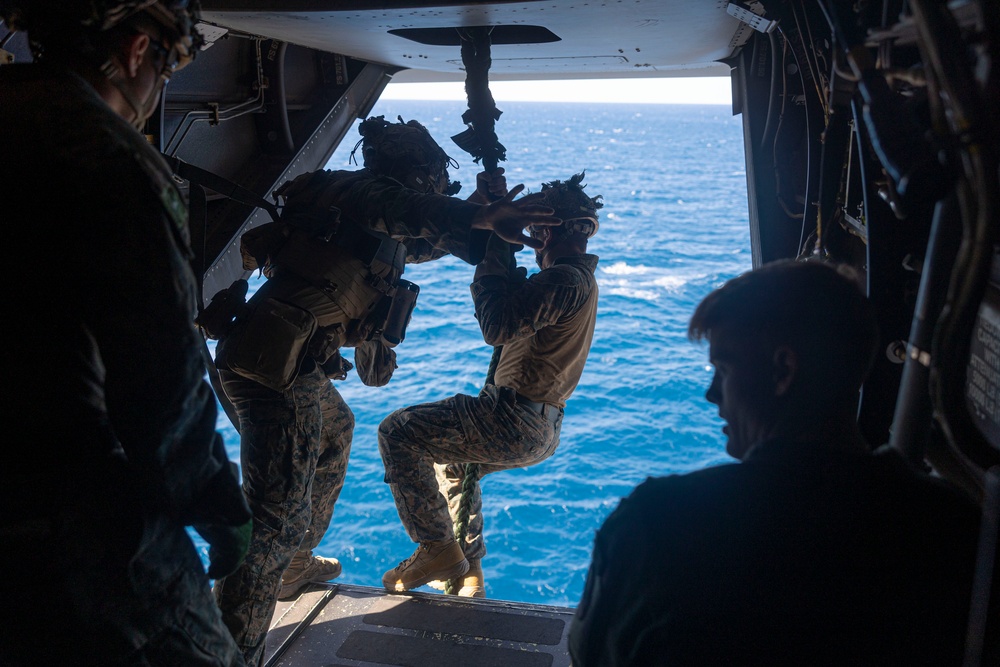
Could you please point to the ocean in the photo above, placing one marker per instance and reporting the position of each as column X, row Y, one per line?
column 674, row 226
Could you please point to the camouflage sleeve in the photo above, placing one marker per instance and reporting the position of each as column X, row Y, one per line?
column 439, row 224
column 160, row 406
column 508, row 312
column 422, row 250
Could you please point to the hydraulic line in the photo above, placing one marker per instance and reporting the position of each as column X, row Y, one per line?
column 911, row 421
column 968, row 123
column 765, row 136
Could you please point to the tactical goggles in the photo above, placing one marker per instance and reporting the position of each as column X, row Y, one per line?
column 586, row 225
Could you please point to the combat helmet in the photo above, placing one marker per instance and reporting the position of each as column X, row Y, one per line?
column 76, row 25
column 572, row 205
column 406, row 151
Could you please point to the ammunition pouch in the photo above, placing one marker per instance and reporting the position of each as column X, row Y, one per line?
column 351, row 280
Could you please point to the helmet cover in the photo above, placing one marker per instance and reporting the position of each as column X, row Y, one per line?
column 405, row 151
column 49, row 20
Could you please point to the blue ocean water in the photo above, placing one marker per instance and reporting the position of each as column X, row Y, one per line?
column 674, row 226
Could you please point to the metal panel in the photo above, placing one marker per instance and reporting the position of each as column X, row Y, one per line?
column 344, row 625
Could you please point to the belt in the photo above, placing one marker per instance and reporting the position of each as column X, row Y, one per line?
column 547, row 410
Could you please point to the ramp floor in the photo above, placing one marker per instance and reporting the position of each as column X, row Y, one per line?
column 341, row 625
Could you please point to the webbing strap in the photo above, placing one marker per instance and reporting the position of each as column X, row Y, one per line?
column 221, row 185
column 200, row 179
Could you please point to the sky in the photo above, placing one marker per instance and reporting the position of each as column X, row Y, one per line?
column 690, row 90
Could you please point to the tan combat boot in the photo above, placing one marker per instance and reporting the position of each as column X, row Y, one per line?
column 471, row 585
column 307, row 569
column 431, row 560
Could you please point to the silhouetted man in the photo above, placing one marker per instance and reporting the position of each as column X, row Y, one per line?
column 811, row 550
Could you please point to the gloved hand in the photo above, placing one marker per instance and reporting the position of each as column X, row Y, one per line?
column 227, row 546
column 221, row 500
column 508, row 218
column 490, row 185
column 336, row 367
column 221, row 515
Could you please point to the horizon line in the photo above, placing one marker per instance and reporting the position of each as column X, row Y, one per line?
column 692, row 90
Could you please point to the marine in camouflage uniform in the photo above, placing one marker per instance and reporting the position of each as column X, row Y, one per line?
column 120, row 451
column 545, row 325
column 296, row 440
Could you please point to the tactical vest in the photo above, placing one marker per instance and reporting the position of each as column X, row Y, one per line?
column 331, row 282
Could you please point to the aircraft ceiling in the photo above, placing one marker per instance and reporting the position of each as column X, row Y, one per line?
column 591, row 39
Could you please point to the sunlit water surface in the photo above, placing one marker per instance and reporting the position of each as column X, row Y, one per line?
column 673, row 228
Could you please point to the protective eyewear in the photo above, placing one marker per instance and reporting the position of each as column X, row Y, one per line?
column 539, row 233
column 586, row 225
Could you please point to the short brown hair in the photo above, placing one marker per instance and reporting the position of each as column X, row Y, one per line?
column 817, row 309
column 570, row 202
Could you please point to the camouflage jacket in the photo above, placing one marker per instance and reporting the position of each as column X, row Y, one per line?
column 107, row 357
column 430, row 225
column 545, row 324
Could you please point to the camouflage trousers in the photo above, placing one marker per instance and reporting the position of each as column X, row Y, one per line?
column 294, row 447
column 91, row 577
column 424, row 449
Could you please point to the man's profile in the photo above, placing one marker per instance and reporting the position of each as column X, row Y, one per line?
column 812, row 550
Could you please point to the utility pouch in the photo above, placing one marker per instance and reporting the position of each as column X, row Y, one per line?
column 375, row 363
column 270, row 345
column 400, row 311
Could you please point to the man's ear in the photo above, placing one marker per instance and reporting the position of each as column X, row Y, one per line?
column 134, row 52
column 785, row 366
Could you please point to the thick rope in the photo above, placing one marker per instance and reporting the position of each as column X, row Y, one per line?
column 469, row 481
column 481, row 141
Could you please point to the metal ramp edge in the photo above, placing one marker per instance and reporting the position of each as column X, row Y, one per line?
column 343, row 625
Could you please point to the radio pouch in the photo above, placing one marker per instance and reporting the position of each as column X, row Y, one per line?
column 401, row 309
column 270, row 345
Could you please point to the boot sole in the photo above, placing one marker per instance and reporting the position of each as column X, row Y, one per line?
column 464, row 592
column 291, row 591
column 472, row 592
column 457, row 570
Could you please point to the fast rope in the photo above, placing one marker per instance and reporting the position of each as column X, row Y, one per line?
column 479, row 140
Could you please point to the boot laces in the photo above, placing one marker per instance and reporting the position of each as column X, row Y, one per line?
column 403, row 564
